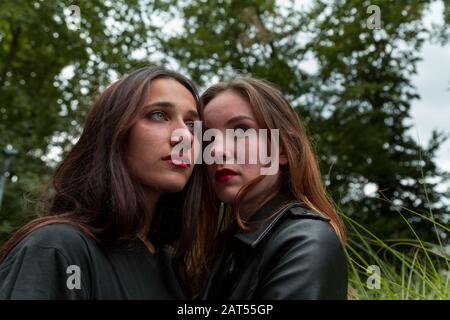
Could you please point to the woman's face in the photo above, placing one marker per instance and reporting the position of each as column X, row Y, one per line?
column 228, row 110
column 170, row 106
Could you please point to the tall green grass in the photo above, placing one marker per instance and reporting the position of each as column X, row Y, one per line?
column 409, row 268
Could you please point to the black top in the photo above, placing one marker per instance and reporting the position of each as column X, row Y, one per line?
column 61, row 262
column 291, row 253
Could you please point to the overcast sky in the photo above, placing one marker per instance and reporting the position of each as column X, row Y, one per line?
column 432, row 111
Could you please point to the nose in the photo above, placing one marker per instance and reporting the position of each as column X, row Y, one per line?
column 219, row 150
column 181, row 134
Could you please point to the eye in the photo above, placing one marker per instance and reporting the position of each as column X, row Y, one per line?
column 243, row 127
column 190, row 125
column 158, row 116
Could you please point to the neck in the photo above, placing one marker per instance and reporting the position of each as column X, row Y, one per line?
column 248, row 209
column 152, row 199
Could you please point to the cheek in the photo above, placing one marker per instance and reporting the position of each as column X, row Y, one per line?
column 252, row 150
column 144, row 137
column 250, row 172
column 144, row 142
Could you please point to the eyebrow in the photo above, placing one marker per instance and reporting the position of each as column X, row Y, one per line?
column 166, row 104
column 238, row 118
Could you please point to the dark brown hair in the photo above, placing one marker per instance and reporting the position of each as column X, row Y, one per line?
column 93, row 190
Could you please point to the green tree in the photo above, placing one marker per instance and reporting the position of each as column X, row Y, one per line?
column 41, row 108
column 356, row 106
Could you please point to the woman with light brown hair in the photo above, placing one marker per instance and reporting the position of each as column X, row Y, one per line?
column 280, row 236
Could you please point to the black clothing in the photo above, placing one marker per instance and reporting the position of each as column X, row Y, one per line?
column 291, row 253
column 44, row 266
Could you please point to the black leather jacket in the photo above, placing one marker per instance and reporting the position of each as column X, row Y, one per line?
column 293, row 254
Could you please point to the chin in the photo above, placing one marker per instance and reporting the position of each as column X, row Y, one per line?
column 174, row 186
column 169, row 183
column 226, row 195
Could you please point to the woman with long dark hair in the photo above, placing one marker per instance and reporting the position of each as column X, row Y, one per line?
column 122, row 219
column 280, row 236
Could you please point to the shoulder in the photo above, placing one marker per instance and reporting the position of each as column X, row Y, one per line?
column 305, row 229
column 56, row 235
column 41, row 265
column 64, row 238
column 303, row 259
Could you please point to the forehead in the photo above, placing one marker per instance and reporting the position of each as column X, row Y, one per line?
column 226, row 105
column 170, row 90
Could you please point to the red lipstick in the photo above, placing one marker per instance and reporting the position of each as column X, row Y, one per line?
column 178, row 162
column 224, row 175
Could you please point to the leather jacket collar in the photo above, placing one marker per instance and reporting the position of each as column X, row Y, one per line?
column 268, row 215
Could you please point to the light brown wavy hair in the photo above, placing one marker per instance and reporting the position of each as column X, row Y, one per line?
column 301, row 176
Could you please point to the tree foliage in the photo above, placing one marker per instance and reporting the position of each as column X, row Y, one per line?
column 356, row 104
column 41, row 107
column 355, row 96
